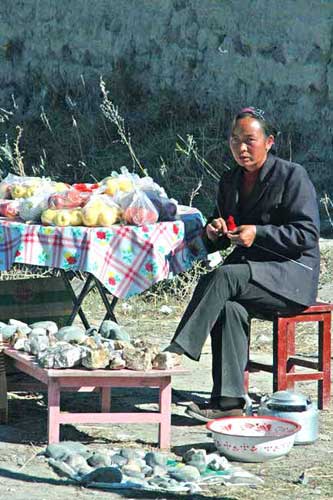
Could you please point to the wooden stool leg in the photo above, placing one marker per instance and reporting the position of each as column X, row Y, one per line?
column 105, row 399
column 280, row 332
column 53, row 394
column 291, row 348
column 324, row 361
column 164, row 432
column 246, row 381
column 3, row 390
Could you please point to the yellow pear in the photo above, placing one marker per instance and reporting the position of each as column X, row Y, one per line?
column 108, row 216
column 60, row 186
column 76, row 217
column 90, row 215
column 47, row 216
column 62, row 218
column 125, row 184
column 112, row 186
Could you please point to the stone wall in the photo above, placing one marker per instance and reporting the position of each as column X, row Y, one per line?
column 273, row 54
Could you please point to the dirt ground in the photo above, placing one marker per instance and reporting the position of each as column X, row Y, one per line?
column 24, row 474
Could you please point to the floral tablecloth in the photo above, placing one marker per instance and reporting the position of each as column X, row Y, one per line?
column 126, row 259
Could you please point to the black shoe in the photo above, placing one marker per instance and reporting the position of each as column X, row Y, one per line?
column 211, row 411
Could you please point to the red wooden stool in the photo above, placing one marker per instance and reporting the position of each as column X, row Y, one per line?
column 285, row 359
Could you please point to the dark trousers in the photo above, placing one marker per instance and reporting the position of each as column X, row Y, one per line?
column 222, row 304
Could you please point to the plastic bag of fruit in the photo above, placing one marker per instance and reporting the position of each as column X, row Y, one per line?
column 100, row 211
column 117, row 184
column 71, row 198
column 62, row 217
column 9, row 208
column 140, row 211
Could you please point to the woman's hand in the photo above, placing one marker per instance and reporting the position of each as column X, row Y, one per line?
column 216, row 229
column 243, row 235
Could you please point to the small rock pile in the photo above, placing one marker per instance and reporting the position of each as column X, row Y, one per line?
column 134, row 467
column 71, row 346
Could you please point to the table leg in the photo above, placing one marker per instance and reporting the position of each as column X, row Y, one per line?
column 109, row 307
column 77, row 301
column 3, row 390
column 53, row 394
column 105, row 399
column 164, row 435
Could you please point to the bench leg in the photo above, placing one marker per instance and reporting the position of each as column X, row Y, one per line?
column 53, row 394
column 291, row 349
column 3, row 390
column 324, row 362
column 105, row 399
column 164, row 433
column 280, row 332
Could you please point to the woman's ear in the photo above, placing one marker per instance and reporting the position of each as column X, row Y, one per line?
column 269, row 142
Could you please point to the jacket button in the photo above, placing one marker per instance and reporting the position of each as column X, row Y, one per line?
column 243, row 257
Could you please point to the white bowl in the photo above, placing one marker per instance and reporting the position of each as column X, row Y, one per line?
column 253, row 439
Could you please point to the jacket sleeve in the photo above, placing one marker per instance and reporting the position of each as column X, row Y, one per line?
column 223, row 242
column 298, row 212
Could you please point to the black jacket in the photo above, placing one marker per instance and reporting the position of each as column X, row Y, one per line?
column 284, row 208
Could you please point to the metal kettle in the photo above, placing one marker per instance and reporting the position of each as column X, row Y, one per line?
column 296, row 407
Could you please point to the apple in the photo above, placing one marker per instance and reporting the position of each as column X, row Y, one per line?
column 76, row 217
column 62, row 218
column 47, row 216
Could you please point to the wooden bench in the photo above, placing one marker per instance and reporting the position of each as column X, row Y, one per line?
column 86, row 380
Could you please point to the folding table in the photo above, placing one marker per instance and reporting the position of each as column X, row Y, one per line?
column 120, row 260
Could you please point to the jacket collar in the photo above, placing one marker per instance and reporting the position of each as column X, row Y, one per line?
column 260, row 186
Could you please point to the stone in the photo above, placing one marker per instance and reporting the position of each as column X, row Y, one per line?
column 119, row 460
column 187, row 473
column 72, row 334
column 217, row 462
column 99, row 460
column 62, row 468
column 137, row 359
column 132, row 454
column 38, row 331
column 103, row 475
column 111, row 330
column 60, row 451
column 166, row 361
column 196, row 458
column 76, row 461
column 50, row 326
column 18, row 341
column 7, row 331
column 153, row 458
column 61, row 355
column 20, row 326
column 119, row 345
column 132, row 469
column 96, row 358
column 38, row 343
column 159, row 470
column 117, row 362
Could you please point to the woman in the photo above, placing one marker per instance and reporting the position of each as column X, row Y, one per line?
column 274, row 265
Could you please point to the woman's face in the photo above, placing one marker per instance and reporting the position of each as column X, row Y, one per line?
column 248, row 143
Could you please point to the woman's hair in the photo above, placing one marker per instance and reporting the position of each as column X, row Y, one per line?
column 267, row 126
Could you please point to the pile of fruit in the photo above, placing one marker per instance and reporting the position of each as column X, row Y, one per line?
column 119, row 198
